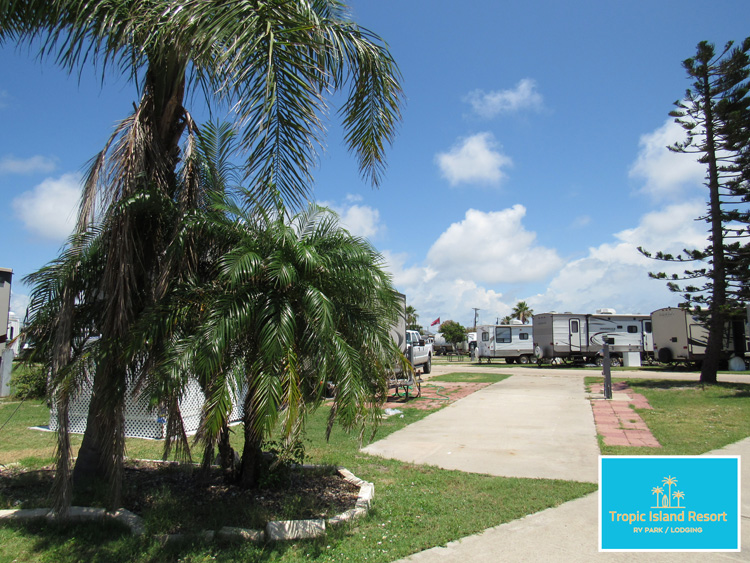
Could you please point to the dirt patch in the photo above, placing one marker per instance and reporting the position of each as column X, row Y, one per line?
column 161, row 492
column 434, row 395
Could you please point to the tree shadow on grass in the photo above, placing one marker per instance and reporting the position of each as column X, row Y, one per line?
column 734, row 390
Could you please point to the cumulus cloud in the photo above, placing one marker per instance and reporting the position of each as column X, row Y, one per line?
column 616, row 274
column 49, row 209
column 32, row 165
column 489, row 261
column 359, row 220
column 476, row 159
column 19, row 303
column 666, row 174
column 490, row 104
column 494, row 247
column 434, row 295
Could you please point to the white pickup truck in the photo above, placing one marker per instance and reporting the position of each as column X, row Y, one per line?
column 418, row 351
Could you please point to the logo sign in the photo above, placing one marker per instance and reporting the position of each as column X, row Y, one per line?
column 674, row 503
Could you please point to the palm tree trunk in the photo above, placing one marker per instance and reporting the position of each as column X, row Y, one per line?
column 252, row 452
column 130, row 269
column 101, row 454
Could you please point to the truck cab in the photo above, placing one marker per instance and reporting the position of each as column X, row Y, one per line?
column 418, row 351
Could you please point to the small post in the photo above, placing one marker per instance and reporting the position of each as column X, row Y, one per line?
column 607, row 372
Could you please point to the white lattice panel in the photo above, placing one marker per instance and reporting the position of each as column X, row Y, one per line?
column 140, row 420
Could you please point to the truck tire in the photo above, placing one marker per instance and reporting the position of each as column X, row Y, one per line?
column 428, row 366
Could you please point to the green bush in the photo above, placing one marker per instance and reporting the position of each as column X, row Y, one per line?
column 28, row 381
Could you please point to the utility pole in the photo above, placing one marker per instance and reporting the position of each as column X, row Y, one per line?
column 475, row 316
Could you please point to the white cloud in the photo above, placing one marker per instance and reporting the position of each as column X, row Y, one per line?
column 434, row 295
column 493, row 247
column 490, row 104
column 33, row 165
column 4, row 97
column 49, row 209
column 476, row 159
column 616, row 274
column 666, row 174
column 490, row 261
column 359, row 220
column 19, row 303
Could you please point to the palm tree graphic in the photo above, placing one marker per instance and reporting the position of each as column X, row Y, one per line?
column 657, row 491
column 669, row 481
column 678, row 495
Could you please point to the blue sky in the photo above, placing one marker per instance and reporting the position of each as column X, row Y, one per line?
column 530, row 163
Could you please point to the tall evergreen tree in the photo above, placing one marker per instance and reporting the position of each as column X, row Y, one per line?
column 714, row 115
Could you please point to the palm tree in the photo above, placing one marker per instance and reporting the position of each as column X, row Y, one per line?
column 506, row 320
column 411, row 317
column 669, row 481
column 522, row 312
column 298, row 304
column 678, row 495
column 657, row 491
column 272, row 62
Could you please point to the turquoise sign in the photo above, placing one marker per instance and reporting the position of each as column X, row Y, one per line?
column 675, row 503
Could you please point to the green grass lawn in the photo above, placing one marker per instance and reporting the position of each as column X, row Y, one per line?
column 415, row 506
column 689, row 418
column 470, row 377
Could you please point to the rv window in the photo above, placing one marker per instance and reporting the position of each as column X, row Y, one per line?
column 523, row 336
column 609, row 340
column 573, row 326
column 485, row 336
column 647, row 327
column 632, row 329
column 502, row 334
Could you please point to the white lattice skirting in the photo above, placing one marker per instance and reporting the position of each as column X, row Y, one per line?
column 142, row 420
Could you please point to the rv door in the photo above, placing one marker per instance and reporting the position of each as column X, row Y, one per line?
column 575, row 332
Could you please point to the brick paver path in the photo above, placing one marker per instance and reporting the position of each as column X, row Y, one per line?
column 617, row 422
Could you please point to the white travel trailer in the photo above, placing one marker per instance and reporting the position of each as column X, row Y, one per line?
column 581, row 337
column 513, row 342
column 680, row 336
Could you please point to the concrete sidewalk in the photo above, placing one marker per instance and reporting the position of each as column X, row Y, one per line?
column 538, row 425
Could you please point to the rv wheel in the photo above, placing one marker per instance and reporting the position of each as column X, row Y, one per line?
column 665, row 355
column 523, row 360
column 614, row 362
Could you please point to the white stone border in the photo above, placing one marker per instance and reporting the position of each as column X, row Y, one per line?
column 277, row 530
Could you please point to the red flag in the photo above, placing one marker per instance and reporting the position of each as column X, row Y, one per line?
column 436, row 322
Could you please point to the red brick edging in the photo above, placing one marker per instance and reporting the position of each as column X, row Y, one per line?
column 617, row 422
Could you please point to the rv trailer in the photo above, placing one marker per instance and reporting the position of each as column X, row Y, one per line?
column 580, row 338
column 513, row 342
column 681, row 336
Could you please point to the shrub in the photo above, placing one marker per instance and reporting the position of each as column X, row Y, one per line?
column 28, row 381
